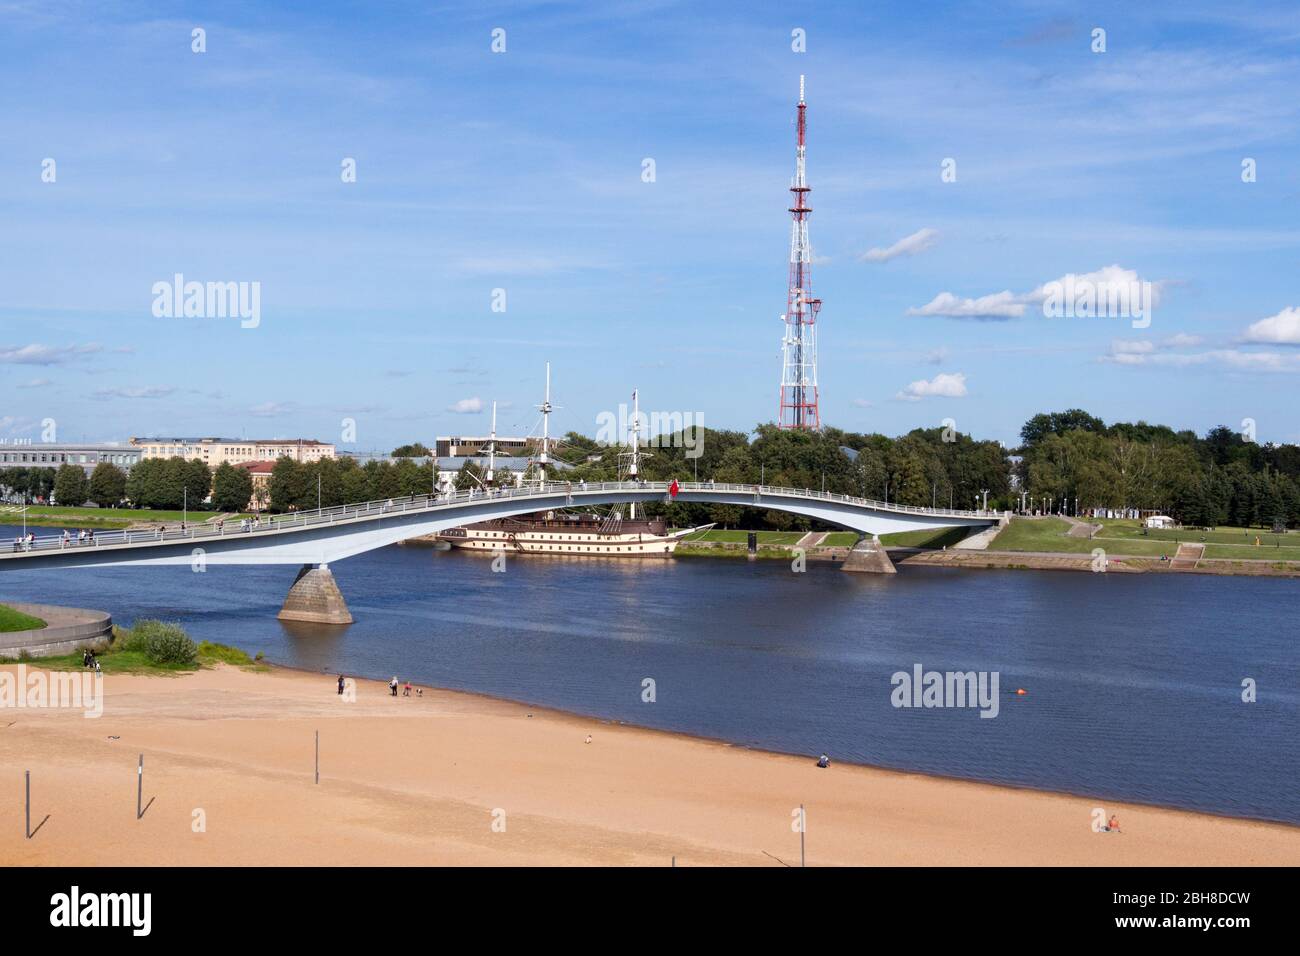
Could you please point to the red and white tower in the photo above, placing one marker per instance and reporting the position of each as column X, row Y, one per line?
column 799, row 346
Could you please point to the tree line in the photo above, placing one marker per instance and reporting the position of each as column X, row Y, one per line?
column 1223, row 478
column 926, row 467
column 1071, row 460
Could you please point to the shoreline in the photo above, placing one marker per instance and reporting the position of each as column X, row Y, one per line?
column 421, row 780
column 1012, row 560
column 789, row 754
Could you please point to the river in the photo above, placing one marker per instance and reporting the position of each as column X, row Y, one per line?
column 1134, row 682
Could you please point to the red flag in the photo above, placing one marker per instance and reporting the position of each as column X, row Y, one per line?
column 672, row 489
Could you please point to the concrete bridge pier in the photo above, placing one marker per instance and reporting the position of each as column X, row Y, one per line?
column 315, row 597
column 869, row 556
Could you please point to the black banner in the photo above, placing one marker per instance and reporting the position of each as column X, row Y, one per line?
column 327, row 906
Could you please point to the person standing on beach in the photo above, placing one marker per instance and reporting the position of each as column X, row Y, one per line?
column 340, row 685
column 392, row 685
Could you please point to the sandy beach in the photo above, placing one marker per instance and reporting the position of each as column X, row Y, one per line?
column 423, row 780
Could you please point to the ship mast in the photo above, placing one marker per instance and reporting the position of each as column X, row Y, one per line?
column 636, row 447
column 492, row 446
column 544, row 459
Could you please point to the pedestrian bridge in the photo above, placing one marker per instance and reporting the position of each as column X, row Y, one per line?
column 314, row 539
column 332, row 534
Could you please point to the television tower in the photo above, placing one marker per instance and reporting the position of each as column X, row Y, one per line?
column 799, row 345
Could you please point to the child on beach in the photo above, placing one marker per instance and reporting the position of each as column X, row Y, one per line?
column 406, row 691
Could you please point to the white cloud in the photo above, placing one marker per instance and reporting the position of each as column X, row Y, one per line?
column 36, row 354
column 466, row 406
column 943, row 385
column 1112, row 282
column 1280, row 329
column 1124, row 348
column 1236, row 359
column 271, row 409
column 1149, row 352
column 36, row 383
column 1000, row 305
column 862, row 403
column 912, row 245
column 145, row 391
column 1109, row 284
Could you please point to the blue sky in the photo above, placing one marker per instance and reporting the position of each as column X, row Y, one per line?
column 522, row 171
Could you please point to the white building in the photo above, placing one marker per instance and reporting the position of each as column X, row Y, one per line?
column 1159, row 521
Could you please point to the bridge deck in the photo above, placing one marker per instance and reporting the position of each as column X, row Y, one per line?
column 467, row 505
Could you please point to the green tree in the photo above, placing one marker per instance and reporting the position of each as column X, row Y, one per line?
column 144, row 482
column 232, row 488
column 70, row 485
column 107, row 485
column 287, row 488
column 196, row 479
column 413, row 450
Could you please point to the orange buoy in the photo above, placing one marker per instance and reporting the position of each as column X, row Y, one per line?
column 1021, row 692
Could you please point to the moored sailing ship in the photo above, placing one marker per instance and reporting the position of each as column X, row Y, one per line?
column 568, row 532
column 562, row 532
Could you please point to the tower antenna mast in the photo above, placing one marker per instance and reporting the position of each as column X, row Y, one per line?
column 798, row 401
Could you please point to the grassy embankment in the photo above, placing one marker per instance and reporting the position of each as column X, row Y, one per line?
column 778, row 544
column 1127, row 537
column 55, row 516
column 132, row 653
column 11, row 620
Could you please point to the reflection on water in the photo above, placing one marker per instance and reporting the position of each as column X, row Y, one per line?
column 1133, row 681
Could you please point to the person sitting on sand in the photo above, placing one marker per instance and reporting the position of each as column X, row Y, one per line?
column 824, row 761
column 1112, row 825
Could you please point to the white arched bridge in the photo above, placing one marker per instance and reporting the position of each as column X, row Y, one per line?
column 314, row 539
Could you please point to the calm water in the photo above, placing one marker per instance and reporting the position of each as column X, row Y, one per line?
column 1134, row 680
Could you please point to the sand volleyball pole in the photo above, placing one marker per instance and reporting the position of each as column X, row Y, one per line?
column 318, row 756
column 139, row 789
column 27, row 774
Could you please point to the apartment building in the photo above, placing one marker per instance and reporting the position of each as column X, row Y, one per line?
column 234, row 451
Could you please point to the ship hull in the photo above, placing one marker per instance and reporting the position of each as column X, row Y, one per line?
column 565, row 543
column 588, row 542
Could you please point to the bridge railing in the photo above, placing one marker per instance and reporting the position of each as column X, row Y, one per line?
column 296, row 520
